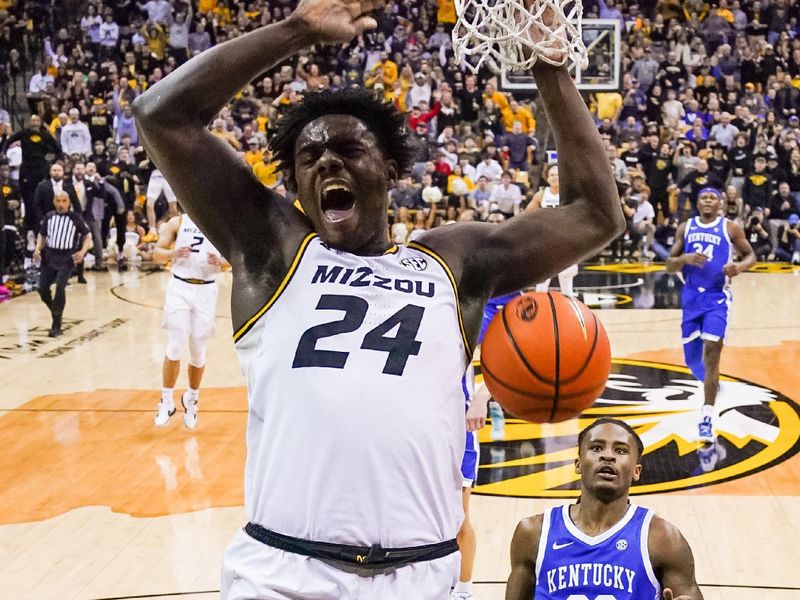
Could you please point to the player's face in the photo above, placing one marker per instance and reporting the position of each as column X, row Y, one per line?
column 708, row 204
column 342, row 181
column 607, row 462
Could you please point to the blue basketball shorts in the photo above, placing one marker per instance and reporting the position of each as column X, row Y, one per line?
column 469, row 464
column 493, row 306
column 705, row 314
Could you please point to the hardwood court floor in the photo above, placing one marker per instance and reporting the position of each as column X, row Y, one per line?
column 97, row 503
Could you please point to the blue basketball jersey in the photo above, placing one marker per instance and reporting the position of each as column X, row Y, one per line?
column 711, row 239
column 614, row 565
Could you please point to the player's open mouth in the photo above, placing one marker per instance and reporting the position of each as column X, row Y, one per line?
column 606, row 472
column 337, row 201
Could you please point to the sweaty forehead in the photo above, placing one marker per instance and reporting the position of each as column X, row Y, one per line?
column 334, row 128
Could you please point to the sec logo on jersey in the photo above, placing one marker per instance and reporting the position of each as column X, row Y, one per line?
column 757, row 428
column 415, row 264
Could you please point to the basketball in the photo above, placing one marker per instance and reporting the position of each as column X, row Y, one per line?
column 545, row 357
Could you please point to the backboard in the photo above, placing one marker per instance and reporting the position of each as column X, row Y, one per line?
column 602, row 40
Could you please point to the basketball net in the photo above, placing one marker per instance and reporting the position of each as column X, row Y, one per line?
column 506, row 35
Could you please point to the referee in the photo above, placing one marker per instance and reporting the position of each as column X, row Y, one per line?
column 61, row 233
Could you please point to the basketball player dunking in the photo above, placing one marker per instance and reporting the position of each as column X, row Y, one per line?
column 189, row 311
column 703, row 251
column 603, row 546
column 549, row 198
column 353, row 348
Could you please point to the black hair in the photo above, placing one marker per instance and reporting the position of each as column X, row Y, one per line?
column 607, row 420
column 381, row 118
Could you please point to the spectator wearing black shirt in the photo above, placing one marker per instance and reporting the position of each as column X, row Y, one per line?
column 757, row 189
column 38, row 149
column 9, row 203
column 757, row 234
column 741, row 161
column 660, row 174
column 62, row 243
column 471, row 101
column 664, row 238
column 719, row 164
column 781, row 206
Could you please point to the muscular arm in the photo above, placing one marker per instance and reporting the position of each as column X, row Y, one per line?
column 256, row 230
column 743, row 247
column 524, row 551
column 537, row 245
column 675, row 260
column 672, row 560
column 216, row 188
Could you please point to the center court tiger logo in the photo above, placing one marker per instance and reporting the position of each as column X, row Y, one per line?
column 757, row 428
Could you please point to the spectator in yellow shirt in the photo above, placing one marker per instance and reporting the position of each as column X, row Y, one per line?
column 254, row 154
column 517, row 112
column 499, row 98
column 266, row 170
column 609, row 106
column 446, row 13
column 389, row 68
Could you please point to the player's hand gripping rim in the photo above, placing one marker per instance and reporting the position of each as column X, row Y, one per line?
column 336, row 21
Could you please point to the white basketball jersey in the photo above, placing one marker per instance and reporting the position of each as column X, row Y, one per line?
column 356, row 414
column 550, row 199
column 194, row 266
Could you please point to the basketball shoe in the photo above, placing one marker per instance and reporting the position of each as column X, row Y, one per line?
column 498, row 421
column 706, row 430
column 164, row 412
column 710, row 455
column 189, row 410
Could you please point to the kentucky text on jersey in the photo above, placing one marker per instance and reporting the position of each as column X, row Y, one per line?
column 701, row 236
column 610, row 577
column 613, row 565
column 365, row 277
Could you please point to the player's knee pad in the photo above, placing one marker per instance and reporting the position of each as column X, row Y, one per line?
column 176, row 344
column 197, row 351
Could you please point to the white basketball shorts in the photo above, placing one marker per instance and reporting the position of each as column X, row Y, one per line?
column 157, row 184
column 254, row 571
column 190, row 308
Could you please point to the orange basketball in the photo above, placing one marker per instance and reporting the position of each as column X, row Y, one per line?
column 545, row 357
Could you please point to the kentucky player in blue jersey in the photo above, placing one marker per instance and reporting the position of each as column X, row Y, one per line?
column 703, row 252
column 603, row 547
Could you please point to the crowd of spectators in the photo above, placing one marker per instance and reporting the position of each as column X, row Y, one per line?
column 709, row 95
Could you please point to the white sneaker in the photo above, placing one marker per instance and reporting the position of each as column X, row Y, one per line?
column 460, row 596
column 796, row 258
column 498, row 421
column 163, row 413
column 190, row 412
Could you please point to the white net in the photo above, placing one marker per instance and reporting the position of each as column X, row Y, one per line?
column 506, row 35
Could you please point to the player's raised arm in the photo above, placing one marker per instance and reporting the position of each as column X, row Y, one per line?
column 672, row 561
column 524, row 551
column 536, row 245
column 215, row 186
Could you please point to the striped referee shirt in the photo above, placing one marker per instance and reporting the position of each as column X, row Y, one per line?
column 63, row 231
